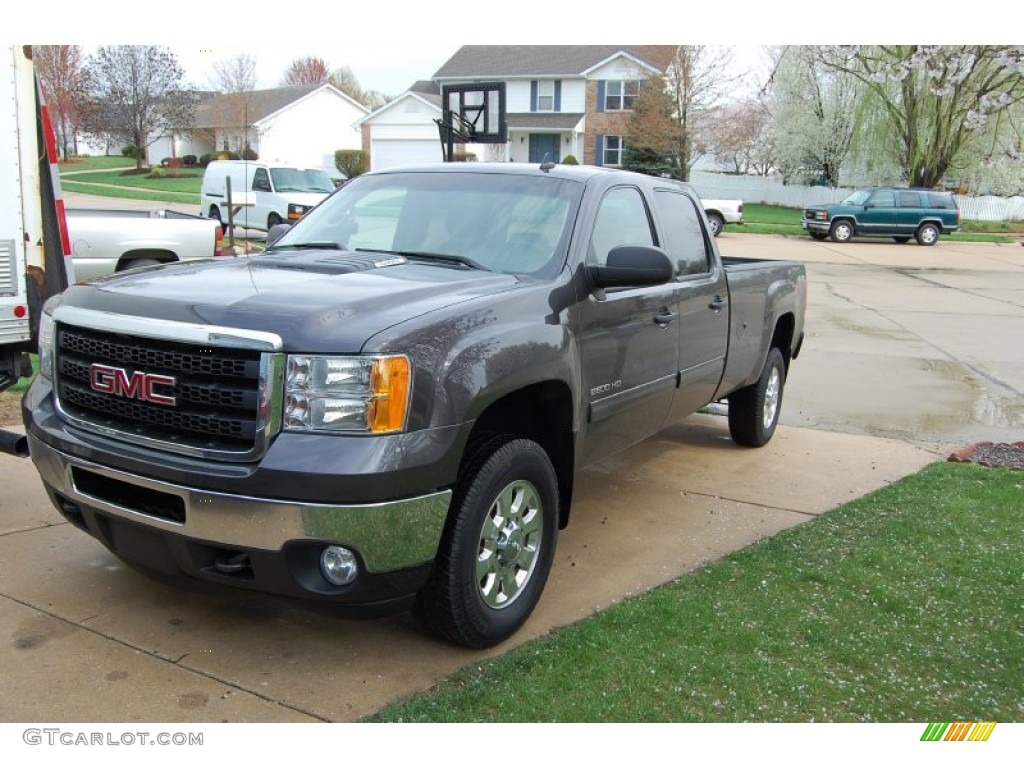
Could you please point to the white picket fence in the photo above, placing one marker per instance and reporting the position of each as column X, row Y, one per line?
column 771, row 191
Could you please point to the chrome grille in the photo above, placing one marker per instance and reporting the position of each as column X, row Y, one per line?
column 217, row 391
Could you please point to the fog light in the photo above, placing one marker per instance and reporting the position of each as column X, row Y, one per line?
column 338, row 565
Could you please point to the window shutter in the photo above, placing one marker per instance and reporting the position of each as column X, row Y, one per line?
column 533, row 95
column 599, row 150
column 558, row 95
column 600, row 95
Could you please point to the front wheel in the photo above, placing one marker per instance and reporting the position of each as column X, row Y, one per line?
column 497, row 547
column 272, row 221
column 754, row 410
column 927, row 234
column 716, row 222
column 841, row 232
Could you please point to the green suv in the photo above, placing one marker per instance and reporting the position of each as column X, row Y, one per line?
column 899, row 213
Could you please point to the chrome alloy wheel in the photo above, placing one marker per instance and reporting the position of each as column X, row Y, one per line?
column 771, row 398
column 510, row 543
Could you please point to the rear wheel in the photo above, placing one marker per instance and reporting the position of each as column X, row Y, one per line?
column 927, row 234
column 716, row 222
column 215, row 214
column 841, row 231
column 497, row 547
column 754, row 410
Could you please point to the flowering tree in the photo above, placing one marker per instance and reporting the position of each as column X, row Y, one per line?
column 936, row 99
column 307, row 71
column 813, row 110
column 61, row 70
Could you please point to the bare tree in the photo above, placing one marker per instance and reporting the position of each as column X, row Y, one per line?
column 935, row 99
column 235, row 79
column 696, row 82
column 737, row 135
column 62, row 74
column 137, row 96
column 307, row 71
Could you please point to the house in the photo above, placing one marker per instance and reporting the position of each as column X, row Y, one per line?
column 560, row 100
column 298, row 125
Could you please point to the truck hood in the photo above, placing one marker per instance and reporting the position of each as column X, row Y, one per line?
column 317, row 301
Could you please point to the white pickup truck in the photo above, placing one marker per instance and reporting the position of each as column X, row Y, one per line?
column 722, row 212
column 104, row 241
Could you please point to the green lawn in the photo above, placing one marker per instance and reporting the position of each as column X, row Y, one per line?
column 902, row 606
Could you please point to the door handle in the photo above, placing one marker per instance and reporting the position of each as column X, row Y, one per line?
column 664, row 317
column 717, row 304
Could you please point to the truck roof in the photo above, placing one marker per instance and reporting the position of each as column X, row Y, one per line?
column 577, row 172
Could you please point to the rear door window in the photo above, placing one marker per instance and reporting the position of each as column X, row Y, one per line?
column 910, row 199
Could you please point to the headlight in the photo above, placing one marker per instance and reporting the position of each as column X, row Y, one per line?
column 346, row 394
column 296, row 211
column 45, row 343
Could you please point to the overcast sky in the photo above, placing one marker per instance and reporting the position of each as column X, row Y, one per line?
column 389, row 44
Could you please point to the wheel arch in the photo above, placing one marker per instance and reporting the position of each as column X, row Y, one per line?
column 541, row 412
column 157, row 254
column 782, row 337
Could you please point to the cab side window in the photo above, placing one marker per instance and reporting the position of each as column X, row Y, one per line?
column 910, row 199
column 621, row 220
column 684, row 236
column 261, row 180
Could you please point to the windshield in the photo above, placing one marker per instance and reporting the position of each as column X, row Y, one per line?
column 495, row 221
column 858, row 198
column 301, row 180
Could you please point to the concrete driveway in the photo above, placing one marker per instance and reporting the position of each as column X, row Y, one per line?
column 910, row 352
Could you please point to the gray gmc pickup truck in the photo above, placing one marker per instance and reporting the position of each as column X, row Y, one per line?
column 387, row 407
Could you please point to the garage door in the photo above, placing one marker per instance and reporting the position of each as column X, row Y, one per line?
column 387, row 153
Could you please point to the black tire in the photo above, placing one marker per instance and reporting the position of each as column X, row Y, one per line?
column 901, row 239
column 715, row 222
column 927, row 234
column 841, row 231
column 818, row 235
column 754, row 410
column 272, row 221
column 215, row 214
column 487, row 579
column 136, row 263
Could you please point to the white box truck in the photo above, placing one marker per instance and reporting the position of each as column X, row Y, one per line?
column 35, row 252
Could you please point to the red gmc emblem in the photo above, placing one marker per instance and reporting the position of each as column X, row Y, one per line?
column 139, row 385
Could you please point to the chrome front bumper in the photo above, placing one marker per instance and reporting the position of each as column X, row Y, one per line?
column 388, row 536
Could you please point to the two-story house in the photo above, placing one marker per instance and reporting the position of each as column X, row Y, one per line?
column 560, row 100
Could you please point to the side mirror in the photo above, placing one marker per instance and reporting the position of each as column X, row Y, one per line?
column 632, row 266
column 275, row 233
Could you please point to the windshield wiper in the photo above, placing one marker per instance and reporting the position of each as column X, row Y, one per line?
column 451, row 258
